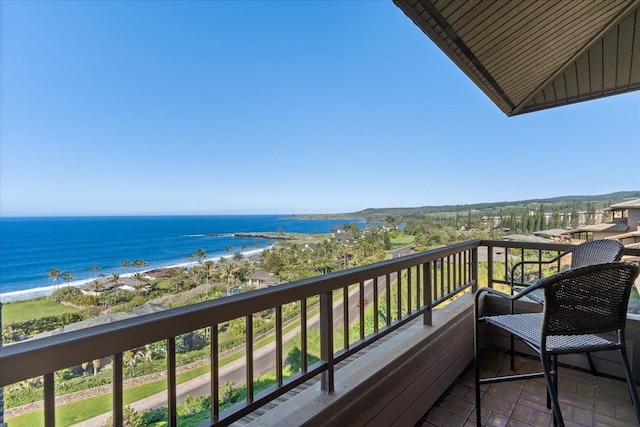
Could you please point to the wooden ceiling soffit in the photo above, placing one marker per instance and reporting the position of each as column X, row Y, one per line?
column 532, row 55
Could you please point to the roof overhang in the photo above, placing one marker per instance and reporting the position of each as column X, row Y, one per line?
column 532, row 55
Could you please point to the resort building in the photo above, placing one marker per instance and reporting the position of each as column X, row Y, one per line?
column 261, row 279
column 410, row 366
column 624, row 227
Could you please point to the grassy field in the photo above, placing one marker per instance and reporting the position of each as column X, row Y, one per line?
column 401, row 240
column 81, row 410
column 21, row 311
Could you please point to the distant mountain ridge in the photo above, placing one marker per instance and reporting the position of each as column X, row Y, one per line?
column 598, row 200
column 564, row 203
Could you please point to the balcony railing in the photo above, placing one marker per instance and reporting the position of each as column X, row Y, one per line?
column 400, row 290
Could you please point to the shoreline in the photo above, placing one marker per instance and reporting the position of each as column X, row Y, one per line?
column 44, row 291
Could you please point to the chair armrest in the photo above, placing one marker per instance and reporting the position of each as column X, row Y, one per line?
column 508, row 297
column 539, row 262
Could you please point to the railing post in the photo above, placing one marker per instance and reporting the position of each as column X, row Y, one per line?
column 388, row 298
column 345, row 317
column 172, row 417
column 49, row 401
column 474, row 268
column 303, row 335
column 215, row 380
column 361, row 314
column 117, row 390
column 279, row 342
column 249, row 358
column 375, row 305
column 426, row 288
column 326, row 340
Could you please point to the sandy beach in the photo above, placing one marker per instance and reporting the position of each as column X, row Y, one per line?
column 126, row 279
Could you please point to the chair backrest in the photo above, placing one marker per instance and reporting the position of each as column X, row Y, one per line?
column 587, row 300
column 596, row 252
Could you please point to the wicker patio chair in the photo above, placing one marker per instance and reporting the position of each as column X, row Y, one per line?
column 587, row 253
column 580, row 305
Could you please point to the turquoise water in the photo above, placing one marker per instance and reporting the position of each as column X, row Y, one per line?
column 30, row 247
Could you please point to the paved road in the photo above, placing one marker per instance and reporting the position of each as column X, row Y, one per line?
column 264, row 357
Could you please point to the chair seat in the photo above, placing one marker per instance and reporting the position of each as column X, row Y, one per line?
column 527, row 326
column 537, row 296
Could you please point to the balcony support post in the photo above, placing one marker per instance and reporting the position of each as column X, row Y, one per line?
column 117, row 390
column 49, row 401
column 326, row 341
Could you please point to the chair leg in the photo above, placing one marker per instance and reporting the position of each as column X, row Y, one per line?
column 551, row 388
column 630, row 383
column 512, row 345
column 476, row 361
column 554, row 366
column 591, row 364
column 512, row 352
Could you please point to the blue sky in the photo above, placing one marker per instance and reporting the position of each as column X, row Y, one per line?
column 272, row 107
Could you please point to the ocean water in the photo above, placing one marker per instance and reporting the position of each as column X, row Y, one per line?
column 30, row 247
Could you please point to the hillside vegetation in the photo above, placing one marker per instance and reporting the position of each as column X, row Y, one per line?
column 563, row 204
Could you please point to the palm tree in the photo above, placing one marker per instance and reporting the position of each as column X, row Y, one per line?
column 95, row 269
column 228, row 249
column 139, row 278
column 228, row 271
column 68, row 277
column 96, row 286
column 201, row 255
column 115, row 278
column 54, row 274
column 139, row 263
column 209, row 266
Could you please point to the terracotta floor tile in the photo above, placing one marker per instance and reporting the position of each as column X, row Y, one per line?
column 585, row 400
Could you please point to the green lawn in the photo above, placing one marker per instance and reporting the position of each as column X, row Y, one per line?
column 21, row 311
column 81, row 410
column 402, row 240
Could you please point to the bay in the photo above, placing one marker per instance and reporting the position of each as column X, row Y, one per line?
column 30, row 247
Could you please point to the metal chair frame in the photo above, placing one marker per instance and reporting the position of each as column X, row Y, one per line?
column 588, row 253
column 581, row 304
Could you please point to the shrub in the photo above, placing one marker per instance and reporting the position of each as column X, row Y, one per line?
column 155, row 415
column 130, row 418
column 19, row 330
column 66, row 294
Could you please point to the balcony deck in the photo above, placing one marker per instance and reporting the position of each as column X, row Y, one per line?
column 418, row 341
column 586, row 400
